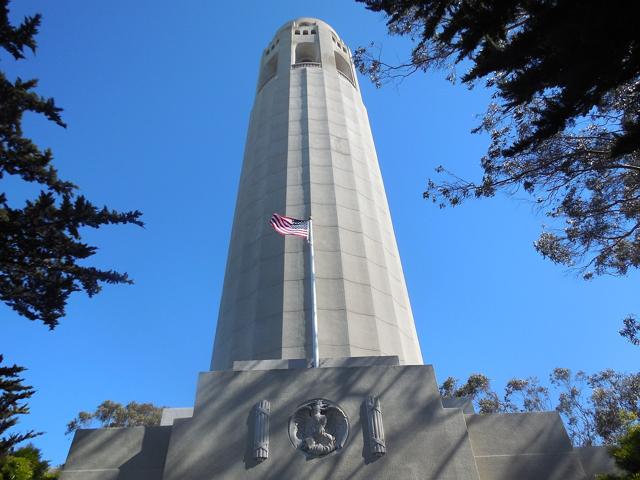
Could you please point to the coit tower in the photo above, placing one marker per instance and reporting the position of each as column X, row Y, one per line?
column 261, row 413
column 309, row 152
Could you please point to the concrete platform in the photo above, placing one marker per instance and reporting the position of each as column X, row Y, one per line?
column 136, row 453
column 423, row 439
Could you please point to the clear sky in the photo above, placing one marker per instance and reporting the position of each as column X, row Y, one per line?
column 157, row 96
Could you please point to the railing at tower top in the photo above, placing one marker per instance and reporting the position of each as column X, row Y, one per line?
column 319, row 65
column 306, row 64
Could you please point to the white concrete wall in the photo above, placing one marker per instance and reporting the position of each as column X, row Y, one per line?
column 310, row 151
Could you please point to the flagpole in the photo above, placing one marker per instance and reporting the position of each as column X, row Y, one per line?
column 314, row 314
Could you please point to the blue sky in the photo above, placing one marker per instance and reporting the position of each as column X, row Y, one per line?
column 157, row 96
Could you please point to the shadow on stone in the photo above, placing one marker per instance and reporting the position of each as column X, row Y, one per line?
column 249, row 460
column 367, row 450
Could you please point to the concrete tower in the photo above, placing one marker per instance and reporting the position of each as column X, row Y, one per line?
column 309, row 151
column 371, row 410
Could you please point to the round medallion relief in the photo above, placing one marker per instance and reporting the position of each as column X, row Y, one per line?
column 318, row 427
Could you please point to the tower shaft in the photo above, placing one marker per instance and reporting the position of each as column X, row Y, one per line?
column 310, row 152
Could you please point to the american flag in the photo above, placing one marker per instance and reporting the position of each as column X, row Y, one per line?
column 290, row 226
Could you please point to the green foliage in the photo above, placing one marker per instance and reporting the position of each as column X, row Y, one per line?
column 627, row 451
column 26, row 464
column 596, row 409
column 41, row 245
column 15, row 468
column 626, row 454
column 13, row 394
column 113, row 414
column 565, row 124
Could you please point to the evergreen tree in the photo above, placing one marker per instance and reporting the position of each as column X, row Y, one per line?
column 13, row 394
column 41, row 245
column 26, row 463
column 42, row 254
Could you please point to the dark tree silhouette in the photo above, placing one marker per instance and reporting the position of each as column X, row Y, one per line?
column 631, row 330
column 40, row 243
column 565, row 122
column 13, row 394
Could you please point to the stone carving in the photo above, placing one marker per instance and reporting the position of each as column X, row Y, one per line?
column 318, row 427
column 261, row 413
column 376, row 430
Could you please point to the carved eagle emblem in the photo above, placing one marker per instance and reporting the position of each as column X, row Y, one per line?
column 318, row 427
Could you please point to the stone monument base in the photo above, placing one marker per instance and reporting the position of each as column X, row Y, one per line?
column 253, row 423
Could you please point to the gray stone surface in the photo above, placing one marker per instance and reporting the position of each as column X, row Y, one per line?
column 135, row 453
column 538, row 432
column 463, row 403
column 596, row 460
column 523, row 446
column 351, row 362
column 531, row 467
column 169, row 415
column 424, row 441
column 270, row 364
column 309, row 151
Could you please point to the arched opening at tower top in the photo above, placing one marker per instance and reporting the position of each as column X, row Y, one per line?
column 343, row 66
column 269, row 71
column 307, row 52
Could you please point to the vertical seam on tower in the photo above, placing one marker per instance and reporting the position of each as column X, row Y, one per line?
column 391, row 261
column 350, row 141
column 289, row 256
column 306, row 181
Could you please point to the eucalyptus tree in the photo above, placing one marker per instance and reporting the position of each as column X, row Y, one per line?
column 565, row 118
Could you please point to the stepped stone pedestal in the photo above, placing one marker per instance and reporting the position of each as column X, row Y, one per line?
column 371, row 410
column 422, row 439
